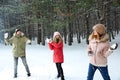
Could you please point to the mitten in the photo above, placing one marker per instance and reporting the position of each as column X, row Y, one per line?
column 5, row 35
column 29, row 42
column 47, row 40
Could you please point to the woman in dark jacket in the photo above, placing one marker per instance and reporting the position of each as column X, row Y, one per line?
column 58, row 58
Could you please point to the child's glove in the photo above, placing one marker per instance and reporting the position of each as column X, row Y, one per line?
column 29, row 42
column 114, row 46
column 90, row 53
column 48, row 40
column 5, row 35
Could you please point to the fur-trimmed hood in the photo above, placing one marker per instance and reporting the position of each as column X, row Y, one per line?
column 104, row 38
column 22, row 34
column 100, row 28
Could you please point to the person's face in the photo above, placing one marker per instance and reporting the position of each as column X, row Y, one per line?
column 95, row 32
column 57, row 36
column 18, row 33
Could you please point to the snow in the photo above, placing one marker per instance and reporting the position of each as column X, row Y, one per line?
column 40, row 62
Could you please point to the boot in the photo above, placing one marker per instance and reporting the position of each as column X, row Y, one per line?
column 62, row 78
column 28, row 74
column 58, row 75
column 15, row 75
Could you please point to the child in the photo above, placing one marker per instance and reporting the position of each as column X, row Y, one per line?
column 58, row 58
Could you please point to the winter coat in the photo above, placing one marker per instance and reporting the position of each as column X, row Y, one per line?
column 19, row 45
column 58, row 51
column 100, row 49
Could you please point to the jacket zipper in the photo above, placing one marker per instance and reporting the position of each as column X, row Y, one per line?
column 95, row 52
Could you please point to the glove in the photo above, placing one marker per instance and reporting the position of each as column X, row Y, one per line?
column 5, row 35
column 90, row 53
column 48, row 40
column 29, row 42
column 114, row 46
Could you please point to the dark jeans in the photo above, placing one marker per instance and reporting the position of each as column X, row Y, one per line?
column 103, row 71
column 23, row 61
column 60, row 70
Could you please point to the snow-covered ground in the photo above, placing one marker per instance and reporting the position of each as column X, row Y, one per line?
column 39, row 59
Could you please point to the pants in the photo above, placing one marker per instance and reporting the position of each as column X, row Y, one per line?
column 59, row 69
column 103, row 71
column 23, row 61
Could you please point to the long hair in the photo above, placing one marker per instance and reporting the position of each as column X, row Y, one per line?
column 97, row 36
column 57, row 40
column 102, row 38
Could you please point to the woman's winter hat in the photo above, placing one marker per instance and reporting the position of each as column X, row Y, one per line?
column 16, row 30
column 100, row 28
column 56, row 33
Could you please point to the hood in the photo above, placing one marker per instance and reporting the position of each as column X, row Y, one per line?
column 100, row 28
column 102, row 39
column 14, row 34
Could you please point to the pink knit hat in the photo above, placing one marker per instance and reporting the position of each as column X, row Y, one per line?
column 56, row 33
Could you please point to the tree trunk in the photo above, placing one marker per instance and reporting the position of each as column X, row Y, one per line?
column 87, row 28
column 42, row 35
column 100, row 11
column 69, row 35
column 65, row 35
column 39, row 34
column 108, row 20
column 78, row 30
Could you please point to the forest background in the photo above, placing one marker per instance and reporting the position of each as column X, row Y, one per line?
column 38, row 19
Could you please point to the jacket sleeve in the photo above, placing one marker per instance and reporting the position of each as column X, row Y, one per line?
column 50, row 46
column 89, row 47
column 27, row 40
column 9, row 41
column 107, row 50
